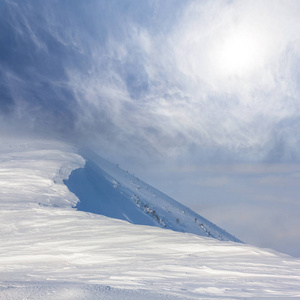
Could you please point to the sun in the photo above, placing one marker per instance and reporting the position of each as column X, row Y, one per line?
column 239, row 53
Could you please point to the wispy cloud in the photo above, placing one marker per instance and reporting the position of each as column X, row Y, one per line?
column 157, row 76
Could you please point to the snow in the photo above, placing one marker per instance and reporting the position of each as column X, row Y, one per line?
column 124, row 196
column 49, row 249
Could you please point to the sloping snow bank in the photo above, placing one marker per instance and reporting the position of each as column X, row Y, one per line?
column 48, row 248
column 32, row 173
column 106, row 189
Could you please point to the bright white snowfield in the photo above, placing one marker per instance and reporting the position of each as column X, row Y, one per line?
column 51, row 250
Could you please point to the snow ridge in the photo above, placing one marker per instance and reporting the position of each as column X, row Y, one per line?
column 140, row 203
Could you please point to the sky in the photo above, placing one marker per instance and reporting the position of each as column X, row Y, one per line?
column 199, row 98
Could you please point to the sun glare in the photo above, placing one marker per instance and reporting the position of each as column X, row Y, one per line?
column 239, row 54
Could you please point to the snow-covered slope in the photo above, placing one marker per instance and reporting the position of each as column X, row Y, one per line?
column 50, row 250
column 106, row 189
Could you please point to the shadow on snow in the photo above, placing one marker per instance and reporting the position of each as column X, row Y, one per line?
column 97, row 195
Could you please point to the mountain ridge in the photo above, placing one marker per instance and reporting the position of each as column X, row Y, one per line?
column 104, row 188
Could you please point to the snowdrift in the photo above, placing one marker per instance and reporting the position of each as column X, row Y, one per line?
column 50, row 249
column 105, row 189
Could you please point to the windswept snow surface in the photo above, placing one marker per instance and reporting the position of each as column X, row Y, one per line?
column 50, row 250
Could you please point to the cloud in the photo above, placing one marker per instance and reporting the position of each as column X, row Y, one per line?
column 157, row 78
column 239, row 109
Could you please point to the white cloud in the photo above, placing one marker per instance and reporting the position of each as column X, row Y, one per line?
column 216, row 79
